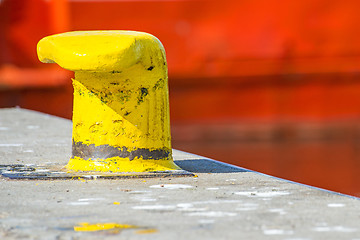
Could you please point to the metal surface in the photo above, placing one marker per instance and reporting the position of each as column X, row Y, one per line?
column 121, row 101
column 57, row 172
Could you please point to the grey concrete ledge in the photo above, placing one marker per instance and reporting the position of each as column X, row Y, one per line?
column 222, row 202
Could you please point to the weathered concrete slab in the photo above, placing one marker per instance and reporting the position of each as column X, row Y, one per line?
column 222, row 202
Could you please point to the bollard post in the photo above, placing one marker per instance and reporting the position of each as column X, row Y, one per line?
column 121, row 107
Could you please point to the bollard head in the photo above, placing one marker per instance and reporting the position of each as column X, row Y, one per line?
column 100, row 51
column 121, row 112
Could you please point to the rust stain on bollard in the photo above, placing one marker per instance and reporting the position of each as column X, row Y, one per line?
column 121, row 108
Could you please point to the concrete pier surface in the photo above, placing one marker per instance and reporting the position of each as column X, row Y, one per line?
column 220, row 202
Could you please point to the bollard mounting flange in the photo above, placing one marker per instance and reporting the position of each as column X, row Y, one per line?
column 56, row 172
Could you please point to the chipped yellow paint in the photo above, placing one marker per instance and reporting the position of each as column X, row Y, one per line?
column 118, row 113
column 87, row 227
column 81, row 179
column 116, row 203
column 120, row 99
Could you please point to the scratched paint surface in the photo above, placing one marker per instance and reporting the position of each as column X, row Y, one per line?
column 121, row 108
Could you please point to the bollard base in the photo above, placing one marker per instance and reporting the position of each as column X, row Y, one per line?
column 56, row 172
column 121, row 164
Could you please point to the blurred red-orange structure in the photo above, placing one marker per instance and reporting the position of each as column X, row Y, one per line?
column 266, row 84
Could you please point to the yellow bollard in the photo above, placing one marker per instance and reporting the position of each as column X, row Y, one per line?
column 121, row 109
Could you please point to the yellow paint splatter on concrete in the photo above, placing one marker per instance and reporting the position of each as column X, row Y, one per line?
column 116, row 203
column 147, row 231
column 87, row 227
column 81, row 179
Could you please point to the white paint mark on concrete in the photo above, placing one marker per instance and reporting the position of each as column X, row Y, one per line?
column 246, row 208
column 32, row 127
column 148, row 199
column 231, row 180
column 212, row 188
column 213, row 214
column 335, row 229
column 11, row 144
column 192, row 209
column 217, row 202
column 90, row 199
column 171, row 186
column 335, row 205
column 188, row 207
column 4, row 128
column 262, row 194
column 78, row 203
column 297, row 239
column 28, row 151
column 135, row 191
column 185, row 205
column 277, row 232
column 155, row 207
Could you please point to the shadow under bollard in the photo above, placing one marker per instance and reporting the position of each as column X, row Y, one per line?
column 207, row 166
